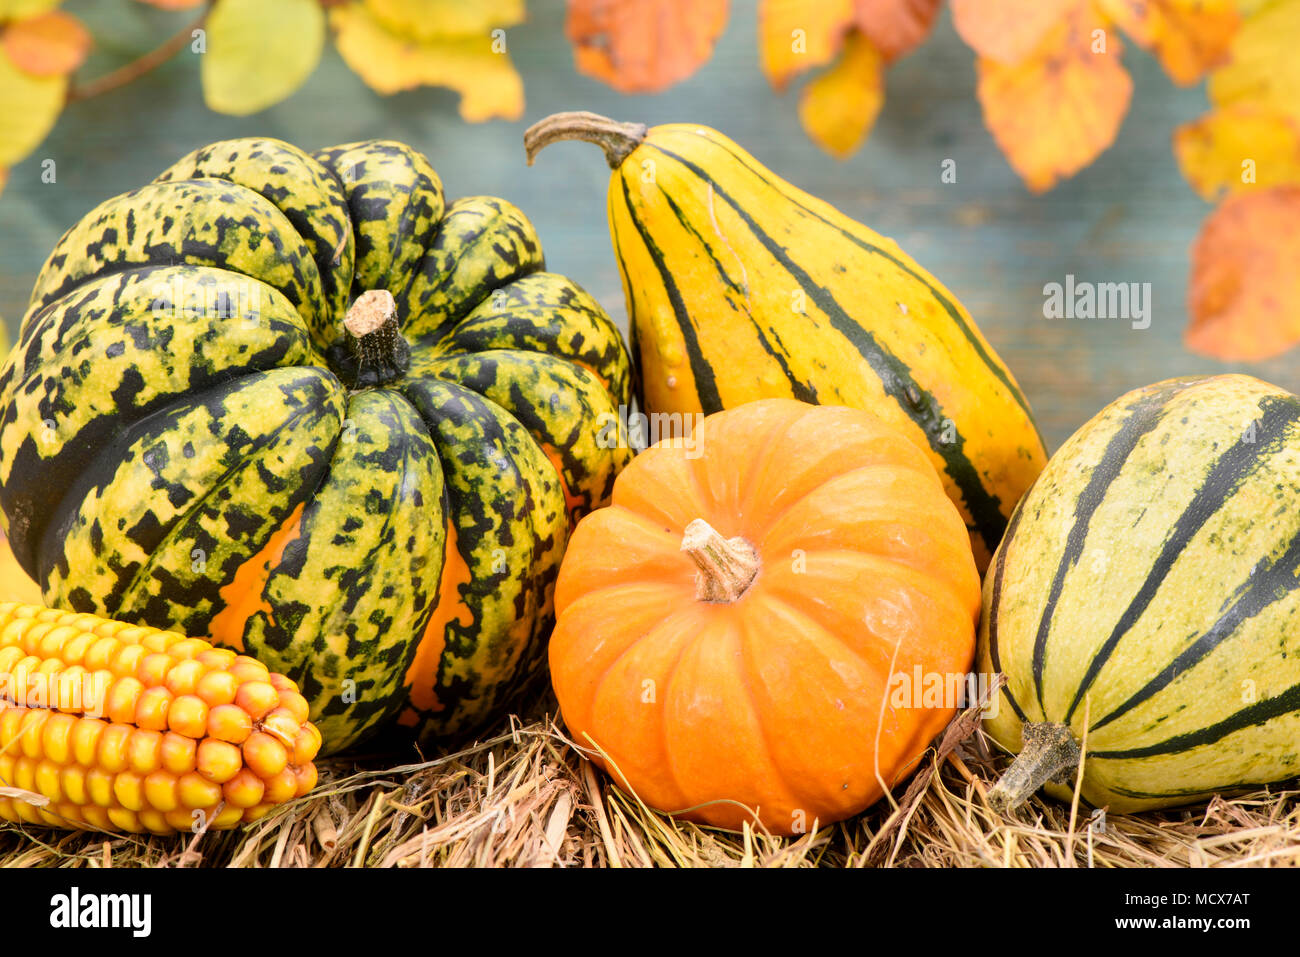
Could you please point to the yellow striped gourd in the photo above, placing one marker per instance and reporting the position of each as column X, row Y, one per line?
column 741, row 286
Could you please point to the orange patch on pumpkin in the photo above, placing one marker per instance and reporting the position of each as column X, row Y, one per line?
column 244, row 595
column 572, row 503
column 422, row 676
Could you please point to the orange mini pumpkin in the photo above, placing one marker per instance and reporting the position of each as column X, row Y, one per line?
column 728, row 628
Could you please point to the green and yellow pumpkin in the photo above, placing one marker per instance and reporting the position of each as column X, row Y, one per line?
column 1144, row 603
column 299, row 403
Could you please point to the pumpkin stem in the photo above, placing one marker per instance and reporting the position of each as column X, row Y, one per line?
column 615, row 138
column 727, row 566
column 1048, row 753
column 374, row 352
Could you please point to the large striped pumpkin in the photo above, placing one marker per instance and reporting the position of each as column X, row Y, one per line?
column 192, row 435
column 1147, row 594
column 741, row 286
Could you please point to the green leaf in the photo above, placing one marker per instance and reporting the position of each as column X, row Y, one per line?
column 29, row 107
column 259, row 53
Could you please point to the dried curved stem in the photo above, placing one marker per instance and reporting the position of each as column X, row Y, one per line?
column 617, row 139
column 727, row 566
column 140, row 66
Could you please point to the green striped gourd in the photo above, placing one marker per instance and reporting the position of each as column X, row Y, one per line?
column 741, row 286
column 1144, row 603
column 301, row 404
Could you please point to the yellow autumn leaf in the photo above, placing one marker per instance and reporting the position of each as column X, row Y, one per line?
column 1188, row 37
column 839, row 107
column 1056, row 111
column 1008, row 31
column 795, row 36
column 21, row 9
column 259, row 53
column 29, row 107
column 1264, row 69
column 1238, row 148
column 486, row 80
column 431, row 19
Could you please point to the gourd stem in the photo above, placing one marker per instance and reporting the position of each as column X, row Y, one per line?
column 373, row 352
column 727, row 566
column 1048, row 753
column 615, row 138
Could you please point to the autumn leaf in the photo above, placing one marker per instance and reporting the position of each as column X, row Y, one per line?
column 474, row 66
column 29, row 107
column 173, row 4
column 1238, row 148
column 839, row 107
column 426, row 20
column 51, row 44
column 1188, row 37
column 259, row 53
column 797, row 35
column 1008, row 31
column 643, row 46
column 22, row 9
column 1244, row 296
column 1263, row 69
column 1056, row 111
column 895, row 27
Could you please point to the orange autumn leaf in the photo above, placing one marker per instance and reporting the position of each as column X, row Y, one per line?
column 643, row 46
column 895, row 27
column 839, row 107
column 1008, row 31
column 1188, row 37
column 1056, row 111
column 52, row 44
column 796, row 35
column 1238, row 148
column 1244, row 292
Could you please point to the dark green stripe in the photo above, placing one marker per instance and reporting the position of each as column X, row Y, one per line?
column 948, row 305
column 1274, row 584
column 803, row 391
column 995, row 606
column 1162, row 795
column 706, row 386
column 1222, row 480
column 922, row 407
column 1144, row 415
column 1261, row 712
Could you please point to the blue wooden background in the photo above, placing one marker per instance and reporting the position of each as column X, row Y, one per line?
column 1127, row 218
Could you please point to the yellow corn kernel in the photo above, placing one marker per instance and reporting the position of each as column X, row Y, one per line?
column 119, row 706
column 296, row 705
column 124, row 820
column 188, row 715
column 127, row 659
column 144, row 750
column 218, row 761
column 183, row 678
column 112, row 754
column 282, row 787
column 155, row 822
column 181, row 819
column 161, row 791
column 152, row 669
column 306, row 776
column 281, row 725
column 245, row 668
column 151, row 709
column 99, row 784
column 72, row 780
column 256, row 698
column 196, row 791
column 29, row 732
column 128, row 788
column 229, row 817
column 46, row 778
column 306, row 746
column 245, row 789
column 228, row 722
column 99, row 656
column 56, row 737
column 217, row 688
column 179, row 753
column 85, row 740
column 265, row 756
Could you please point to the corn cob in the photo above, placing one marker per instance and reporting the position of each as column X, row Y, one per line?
column 125, row 727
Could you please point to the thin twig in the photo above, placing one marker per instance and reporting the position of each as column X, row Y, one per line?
column 140, row 66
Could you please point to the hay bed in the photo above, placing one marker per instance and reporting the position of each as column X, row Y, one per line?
column 525, row 798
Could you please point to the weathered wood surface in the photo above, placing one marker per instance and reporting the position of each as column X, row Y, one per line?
column 1128, row 218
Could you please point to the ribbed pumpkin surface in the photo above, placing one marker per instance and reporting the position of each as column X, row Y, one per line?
column 182, row 442
column 1150, row 580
